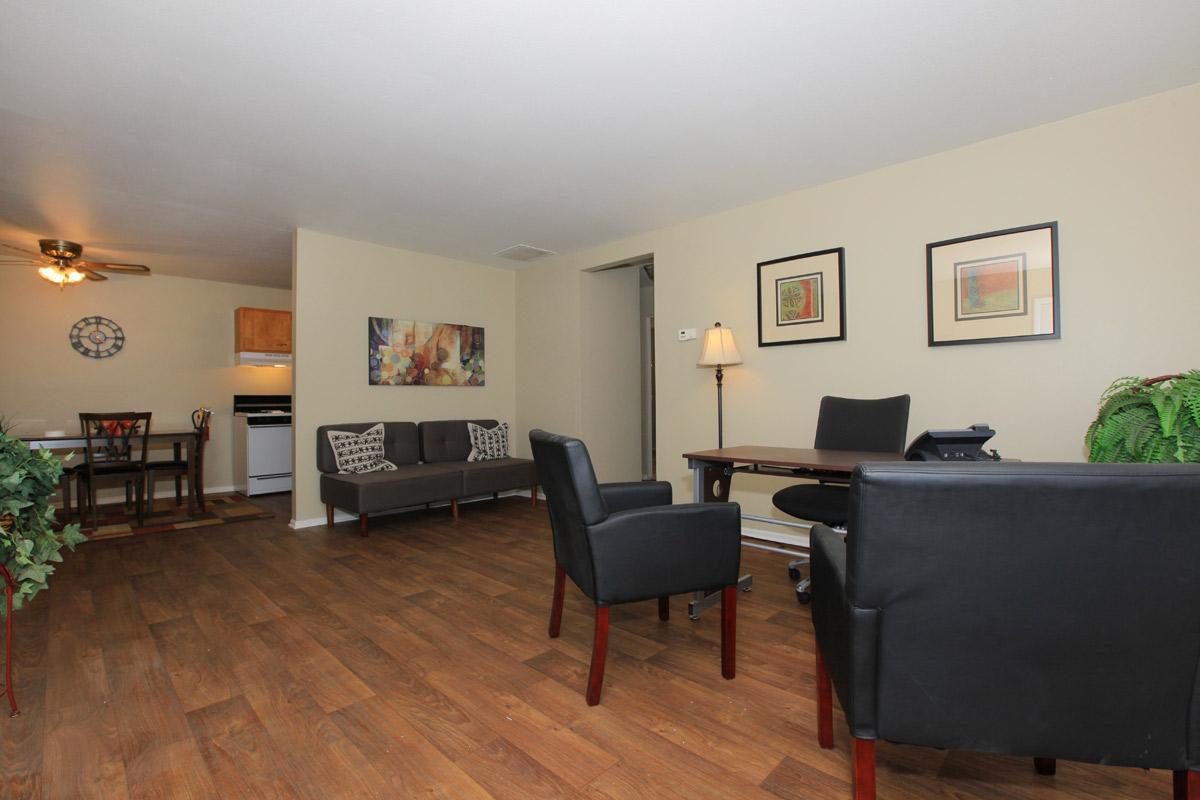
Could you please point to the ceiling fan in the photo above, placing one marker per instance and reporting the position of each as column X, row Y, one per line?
column 60, row 264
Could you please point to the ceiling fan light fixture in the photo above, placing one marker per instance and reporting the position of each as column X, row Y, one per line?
column 60, row 276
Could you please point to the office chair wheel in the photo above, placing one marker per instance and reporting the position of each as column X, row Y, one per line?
column 803, row 597
column 793, row 573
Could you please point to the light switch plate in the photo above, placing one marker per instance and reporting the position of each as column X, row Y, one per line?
column 687, row 334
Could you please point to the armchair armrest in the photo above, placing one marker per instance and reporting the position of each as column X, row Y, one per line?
column 635, row 494
column 847, row 636
column 672, row 549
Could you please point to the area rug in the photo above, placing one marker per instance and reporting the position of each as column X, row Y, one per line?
column 116, row 522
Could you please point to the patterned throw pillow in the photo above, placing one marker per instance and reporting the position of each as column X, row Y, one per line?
column 359, row 452
column 488, row 444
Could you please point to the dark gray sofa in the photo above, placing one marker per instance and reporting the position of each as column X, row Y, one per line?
column 431, row 466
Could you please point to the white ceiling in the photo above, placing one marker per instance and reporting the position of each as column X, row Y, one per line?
column 195, row 136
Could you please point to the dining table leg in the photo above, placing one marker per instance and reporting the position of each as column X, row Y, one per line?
column 191, row 469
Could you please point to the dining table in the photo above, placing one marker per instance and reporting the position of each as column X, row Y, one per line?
column 177, row 439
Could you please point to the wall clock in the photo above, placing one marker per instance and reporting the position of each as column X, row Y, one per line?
column 97, row 337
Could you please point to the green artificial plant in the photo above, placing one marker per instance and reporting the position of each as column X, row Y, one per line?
column 1150, row 421
column 29, row 544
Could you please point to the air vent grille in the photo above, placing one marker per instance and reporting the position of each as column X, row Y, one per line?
column 523, row 252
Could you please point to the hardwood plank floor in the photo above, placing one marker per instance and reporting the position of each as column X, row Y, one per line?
column 254, row 661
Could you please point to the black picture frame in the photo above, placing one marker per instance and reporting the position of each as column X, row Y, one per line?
column 769, row 329
column 1004, row 251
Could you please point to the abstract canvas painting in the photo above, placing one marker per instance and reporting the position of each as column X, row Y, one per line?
column 404, row 352
column 802, row 298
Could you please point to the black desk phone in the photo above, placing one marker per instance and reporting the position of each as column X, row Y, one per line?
column 965, row 444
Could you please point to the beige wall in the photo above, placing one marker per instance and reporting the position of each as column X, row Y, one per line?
column 1122, row 184
column 178, row 355
column 337, row 284
column 611, row 385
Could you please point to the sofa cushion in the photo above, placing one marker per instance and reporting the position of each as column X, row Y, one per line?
column 400, row 445
column 408, row 485
column 497, row 475
column 447, row 440
column 487, row 444
column 359, row 452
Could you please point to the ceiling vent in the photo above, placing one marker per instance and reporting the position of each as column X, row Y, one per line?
column 523, row 252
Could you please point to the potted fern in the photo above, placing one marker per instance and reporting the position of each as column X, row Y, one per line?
column 29, row 543
column 1148, row 420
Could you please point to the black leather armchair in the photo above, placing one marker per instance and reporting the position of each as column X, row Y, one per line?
column 1043, row 610
column 625, row 542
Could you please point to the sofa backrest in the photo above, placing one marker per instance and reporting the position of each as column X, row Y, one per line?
column 400, row 444
column 447, row 440
column 1030, row 607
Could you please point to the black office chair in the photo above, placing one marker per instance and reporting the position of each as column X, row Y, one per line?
column 972, row 607
column 625, row 542
column 876, row 426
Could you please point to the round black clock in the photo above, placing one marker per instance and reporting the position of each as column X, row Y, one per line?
column 97, row 337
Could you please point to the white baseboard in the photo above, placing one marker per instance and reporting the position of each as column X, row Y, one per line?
column 113, row 495
column 344, row 516
column 778, row 537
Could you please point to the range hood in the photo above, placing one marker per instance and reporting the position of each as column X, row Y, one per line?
column 251, row 359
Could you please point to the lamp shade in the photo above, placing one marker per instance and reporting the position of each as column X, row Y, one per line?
column 719, row 349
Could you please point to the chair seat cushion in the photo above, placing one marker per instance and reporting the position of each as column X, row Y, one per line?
column 816, row 502
column 407, row 485
column 166, row 464
column 105, row 470
column 497, row 475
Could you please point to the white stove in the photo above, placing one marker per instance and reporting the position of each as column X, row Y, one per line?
column 262, row 443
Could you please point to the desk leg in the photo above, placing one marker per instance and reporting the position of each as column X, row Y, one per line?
column 191, row 467
column 711, row 485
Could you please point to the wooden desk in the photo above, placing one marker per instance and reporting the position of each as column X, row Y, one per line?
column 177, row 439
column 713, row 471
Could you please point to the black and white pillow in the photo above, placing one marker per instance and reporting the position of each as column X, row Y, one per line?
column 359, row 452
column 488, row 444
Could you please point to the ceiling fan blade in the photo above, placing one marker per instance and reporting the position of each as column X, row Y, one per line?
column 25, row 262
column 87, row 273
column 21, row 250
column 138, row 269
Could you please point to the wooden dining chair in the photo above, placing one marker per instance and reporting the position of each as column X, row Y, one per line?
column 178, row 467
column 117, row 446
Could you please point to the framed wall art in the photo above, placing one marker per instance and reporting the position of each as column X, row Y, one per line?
column 1000, row 286
column 403, row 352
column 802, row 298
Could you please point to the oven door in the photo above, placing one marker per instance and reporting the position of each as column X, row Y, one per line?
column 268, row 451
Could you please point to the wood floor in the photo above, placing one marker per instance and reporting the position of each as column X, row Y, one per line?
column 253, row 661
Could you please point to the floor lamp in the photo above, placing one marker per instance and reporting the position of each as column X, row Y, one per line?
column 719, row 351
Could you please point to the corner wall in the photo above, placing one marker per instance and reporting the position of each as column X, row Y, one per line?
column 338, row 283
column 1122, row 184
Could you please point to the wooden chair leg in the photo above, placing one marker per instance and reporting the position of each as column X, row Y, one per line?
column 556, row 605
column 92, row 505
column 128, row 495
column 729, row 631
column 454, row 509
column 1045, row 766
column 1186, row 784
column 824, row 704
column 140, row 505
column 178, row 490
column 599, row 652
column 533, row 495
column 664, row 608
column 864, row 769
column 329, row 515
column 362, row 524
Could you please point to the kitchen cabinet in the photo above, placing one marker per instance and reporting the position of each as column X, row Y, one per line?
column 262, row 330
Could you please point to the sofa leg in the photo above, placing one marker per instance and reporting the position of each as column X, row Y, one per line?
column 362, row 524
column 1045, row 766
column 533, row 496
column 495, row 495
column 824, row 704
column 664, row 608
column 556, row 605
column 864, row 769
column 329, row 515
column 454, row 509
column 729, row 631
column 599, row 652
column 1187, row 785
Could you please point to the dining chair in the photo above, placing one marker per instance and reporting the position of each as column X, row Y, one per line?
column 178, row 467
column 117, row 445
